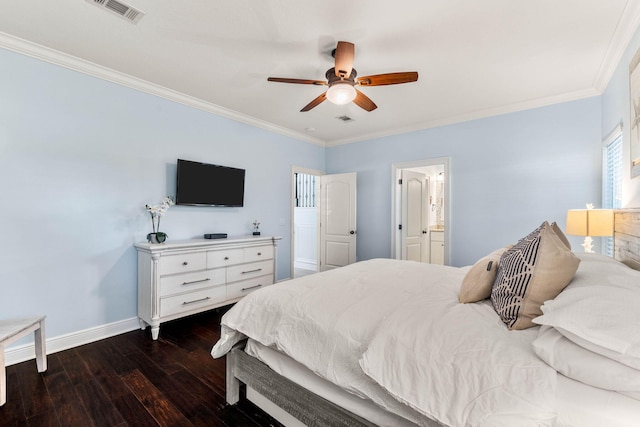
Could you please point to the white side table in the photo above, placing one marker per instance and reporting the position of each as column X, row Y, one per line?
column 14, row 329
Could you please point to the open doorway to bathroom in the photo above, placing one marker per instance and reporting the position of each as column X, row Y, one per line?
column 420, row 211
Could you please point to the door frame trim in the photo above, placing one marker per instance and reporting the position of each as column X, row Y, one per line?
column 395, row 170
column 292, row 254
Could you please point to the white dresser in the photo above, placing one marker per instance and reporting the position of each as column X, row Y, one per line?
column 177, row 279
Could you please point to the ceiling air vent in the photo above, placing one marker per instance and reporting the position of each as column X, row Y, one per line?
column 118, row 8
column 345, row 119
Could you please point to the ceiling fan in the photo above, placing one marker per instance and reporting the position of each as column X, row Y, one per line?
column 342, row 79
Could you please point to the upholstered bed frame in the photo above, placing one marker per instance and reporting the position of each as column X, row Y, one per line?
column 296, row 406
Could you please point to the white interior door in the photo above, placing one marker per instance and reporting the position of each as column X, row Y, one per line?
column 337, row 220
column 414, row 194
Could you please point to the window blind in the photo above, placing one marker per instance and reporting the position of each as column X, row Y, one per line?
column 612, row 180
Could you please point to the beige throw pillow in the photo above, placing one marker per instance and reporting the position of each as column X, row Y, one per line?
column 535, row 270
column 561, row 235
column 477, row 283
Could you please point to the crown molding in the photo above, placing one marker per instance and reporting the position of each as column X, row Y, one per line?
column 624, row 33
column 474, row 115
column 626, row 29
column 55, row 57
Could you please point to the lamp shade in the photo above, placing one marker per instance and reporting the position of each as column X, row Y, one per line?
column 341, row 93
column 590, row 222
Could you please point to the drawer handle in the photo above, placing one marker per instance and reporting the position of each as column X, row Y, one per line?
column 196, row 281
column 252, row 271
column 226, row 258
column 259, row 253
column 250, row 287
column 185, row 263
column 195, row 301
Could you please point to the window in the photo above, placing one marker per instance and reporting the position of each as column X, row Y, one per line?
column 612, row 179
column 305, row 191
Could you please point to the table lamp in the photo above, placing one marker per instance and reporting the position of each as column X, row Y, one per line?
column 589, row 222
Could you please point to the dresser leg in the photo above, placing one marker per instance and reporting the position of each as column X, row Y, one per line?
column 41, row 347
column 155, row 332
column 143, row 324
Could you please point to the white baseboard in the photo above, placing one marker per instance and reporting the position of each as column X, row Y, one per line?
column 305, row 264
column 25, row 352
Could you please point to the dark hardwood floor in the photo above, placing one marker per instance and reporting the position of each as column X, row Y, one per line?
column 131, row 380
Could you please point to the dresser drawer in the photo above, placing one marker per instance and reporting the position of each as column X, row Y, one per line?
column 182, row 263
column 224, row 257
column 191, row 281
column 240, row 289
column 192, row 300
column 248, row 271
column 257, row 253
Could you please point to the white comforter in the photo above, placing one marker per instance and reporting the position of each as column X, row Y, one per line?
column 399, row 324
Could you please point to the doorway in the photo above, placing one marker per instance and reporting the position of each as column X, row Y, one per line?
column 323, row 221
column 420, row 211
column 305, row 223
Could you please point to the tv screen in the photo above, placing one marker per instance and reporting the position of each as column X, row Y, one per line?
column 203, row 184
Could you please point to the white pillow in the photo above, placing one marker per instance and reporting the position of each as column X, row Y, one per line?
column 630, row 361
column 601, row 306
column 596, row 269
column 596, row 258
column 582, row 365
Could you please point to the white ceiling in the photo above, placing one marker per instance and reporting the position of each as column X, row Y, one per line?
column 475, row 58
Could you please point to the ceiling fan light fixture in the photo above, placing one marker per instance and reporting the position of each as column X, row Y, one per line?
column 342, row 79
column 341, row 93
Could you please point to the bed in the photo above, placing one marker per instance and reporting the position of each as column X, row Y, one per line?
column 387, row 342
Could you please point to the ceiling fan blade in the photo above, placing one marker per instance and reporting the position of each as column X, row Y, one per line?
column 344, row 59
column 315, row 102
column 388, row 79
column 364, row 102
column 298, row 81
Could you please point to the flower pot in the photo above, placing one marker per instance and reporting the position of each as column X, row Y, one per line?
column 158, row 237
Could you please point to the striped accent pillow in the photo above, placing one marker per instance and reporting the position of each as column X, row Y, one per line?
column 533, row 271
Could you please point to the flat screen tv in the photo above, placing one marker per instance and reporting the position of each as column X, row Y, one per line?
column 204, row 184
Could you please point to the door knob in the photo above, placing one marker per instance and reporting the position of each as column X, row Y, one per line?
column 352, row 232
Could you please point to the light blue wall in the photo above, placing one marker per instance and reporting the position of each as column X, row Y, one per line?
column 79, row 159
column 509, row 173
